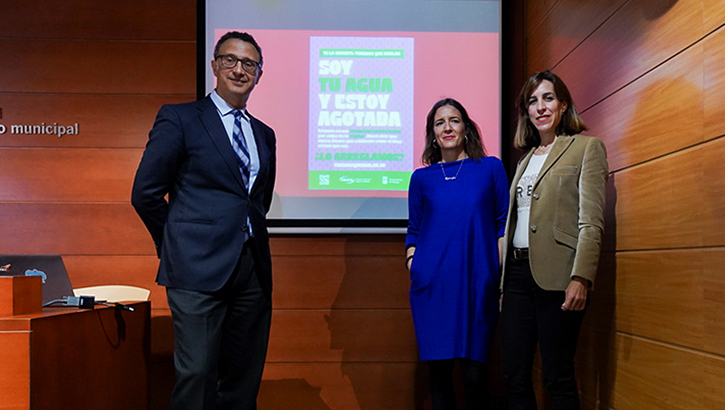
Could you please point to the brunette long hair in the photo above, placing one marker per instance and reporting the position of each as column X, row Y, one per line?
column 527, row 136
column 472, row 144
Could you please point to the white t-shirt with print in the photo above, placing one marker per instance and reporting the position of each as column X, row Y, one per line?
column 524, row 189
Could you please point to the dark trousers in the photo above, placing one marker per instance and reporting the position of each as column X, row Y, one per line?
column 220, row 341
column 531, row 315
column 475, row 384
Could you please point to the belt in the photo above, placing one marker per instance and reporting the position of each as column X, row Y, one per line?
column 520, row 254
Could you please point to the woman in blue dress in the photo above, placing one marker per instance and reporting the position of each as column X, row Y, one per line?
column 457, row 216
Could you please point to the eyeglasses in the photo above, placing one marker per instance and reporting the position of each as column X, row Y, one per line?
column 230, row 61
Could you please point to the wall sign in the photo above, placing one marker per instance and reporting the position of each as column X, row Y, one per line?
column 55, row 129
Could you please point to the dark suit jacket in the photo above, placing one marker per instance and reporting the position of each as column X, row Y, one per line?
column 199, row 232
column 566, row 217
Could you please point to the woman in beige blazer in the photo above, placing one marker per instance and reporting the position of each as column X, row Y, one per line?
column 552, row 242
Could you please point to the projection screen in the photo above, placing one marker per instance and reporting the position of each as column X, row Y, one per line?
column 346, row 86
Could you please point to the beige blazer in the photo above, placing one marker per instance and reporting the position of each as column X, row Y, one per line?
column 566, row 219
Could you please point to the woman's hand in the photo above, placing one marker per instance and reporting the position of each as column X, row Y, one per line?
column 409, row 256
column 576, row 294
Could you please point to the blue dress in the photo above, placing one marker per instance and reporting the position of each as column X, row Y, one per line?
column 455, row 225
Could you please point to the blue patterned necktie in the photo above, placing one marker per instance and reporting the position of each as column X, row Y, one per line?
column 240, row 147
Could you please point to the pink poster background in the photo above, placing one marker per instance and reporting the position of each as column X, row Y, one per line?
column 464, row 66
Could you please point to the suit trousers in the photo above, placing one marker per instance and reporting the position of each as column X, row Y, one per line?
column 532, row 315
column 220, row 341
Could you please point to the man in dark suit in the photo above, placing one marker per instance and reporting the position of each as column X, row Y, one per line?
column 217, row 164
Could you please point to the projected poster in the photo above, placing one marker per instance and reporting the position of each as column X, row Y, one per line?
column 360, row 113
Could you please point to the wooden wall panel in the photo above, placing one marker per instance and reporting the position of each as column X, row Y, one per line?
column 659, row 204
column 714, row 83
column 308, row 245
column 71, row 228
column 713, row 300
column 643, row 126
column 102, row 67
column 311, row 282
column 562, row 30
column 631, row 372
column 104, row 121
column 91, row 19
column 67, row 175
column 340, row 282
column 376, row 282
column 661, row 296
column 536, row 11
column 714, row 15
column 353, row 386
column 674, row 201
column 639, row 36
column 375, row 245
column 321, row 336
column 713, row 192
column 353, row 245
column 651, row 375
column 712, row 388
column 310, row 336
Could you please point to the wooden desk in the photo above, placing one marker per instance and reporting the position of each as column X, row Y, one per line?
column 80, row 359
